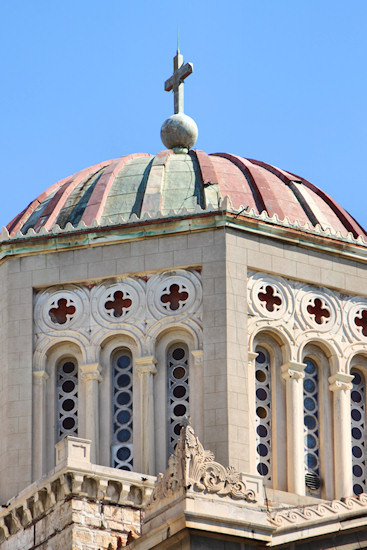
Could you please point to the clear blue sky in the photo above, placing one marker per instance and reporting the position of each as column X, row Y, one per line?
column 283, row 81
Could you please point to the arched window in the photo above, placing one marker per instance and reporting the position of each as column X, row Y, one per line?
column 359, row 432
column 122, row 411
column 66, row 398
column 263, row 413
column 177, row 391
column 311, row 428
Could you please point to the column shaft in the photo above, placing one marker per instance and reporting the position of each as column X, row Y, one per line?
column 92, row 377
column 340, row 385
column 251, row 357
column 293, row 373
column 147, row 370
column 39, row 424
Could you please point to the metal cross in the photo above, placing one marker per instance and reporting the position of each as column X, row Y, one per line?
column 175, row 82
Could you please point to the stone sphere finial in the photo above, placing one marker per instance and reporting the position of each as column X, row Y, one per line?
column 179, row 132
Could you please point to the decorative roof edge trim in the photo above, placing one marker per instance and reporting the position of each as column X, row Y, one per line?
column 287, row 519
column 225, row 208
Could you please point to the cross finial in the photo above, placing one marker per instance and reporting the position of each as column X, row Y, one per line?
column 175, row 82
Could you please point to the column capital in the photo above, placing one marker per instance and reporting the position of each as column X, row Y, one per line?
column 251, row 355
column 146, row 364
column 198, row 355
column 293, row 370
column 90, row 371
column 39, row 376
column 340, row 381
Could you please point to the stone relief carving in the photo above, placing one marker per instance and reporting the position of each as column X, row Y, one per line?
column 325, row 510
column 139, row 306
column 302, row 311
column 173, row 293
column 270, row 297
column 192, row 469
column 117, row 302
column 60, row 309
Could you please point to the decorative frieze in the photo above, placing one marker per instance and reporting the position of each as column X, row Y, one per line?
column 140, row 306
column 302, row 311
column 319, row 512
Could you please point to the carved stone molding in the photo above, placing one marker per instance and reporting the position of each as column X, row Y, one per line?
column 192, row 469
column 302, row 312
column 140, row 307
column 324, row 511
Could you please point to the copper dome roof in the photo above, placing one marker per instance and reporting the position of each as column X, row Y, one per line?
column 168, row 182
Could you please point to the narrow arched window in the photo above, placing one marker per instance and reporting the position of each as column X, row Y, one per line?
column 67, row 398
column 311, row 428
column 122, row 411
column 263, row 413
column 177, row 390
column 358, row 425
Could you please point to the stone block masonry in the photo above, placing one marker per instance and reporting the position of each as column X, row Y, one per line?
column 79, row 506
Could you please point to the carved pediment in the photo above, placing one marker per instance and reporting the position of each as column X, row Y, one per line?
column 192, row 469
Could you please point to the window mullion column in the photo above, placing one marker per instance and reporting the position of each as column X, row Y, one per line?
column 91, row 377
column 340, row 385
column 293, row 374
column 146, row 368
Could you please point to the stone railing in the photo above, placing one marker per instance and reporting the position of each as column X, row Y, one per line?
column 73, row 476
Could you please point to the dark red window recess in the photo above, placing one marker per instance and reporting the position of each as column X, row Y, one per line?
column 59, row 314
column 118, row 304
column 320, row 313
column 270, row 300
column 362, row 321
column 174, row 297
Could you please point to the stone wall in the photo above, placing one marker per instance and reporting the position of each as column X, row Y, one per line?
column 77, row 523
column 78, row 506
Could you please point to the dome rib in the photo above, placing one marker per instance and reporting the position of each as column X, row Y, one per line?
column 97, row 200
column 287, row 179
column 152, row 200
column 348, row 221
column 207, row 171
column 264, row 197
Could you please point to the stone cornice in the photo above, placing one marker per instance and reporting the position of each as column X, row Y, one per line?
column 182, row 222
column 324, row 512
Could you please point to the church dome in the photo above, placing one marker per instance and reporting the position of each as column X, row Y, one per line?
column 164, row 185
